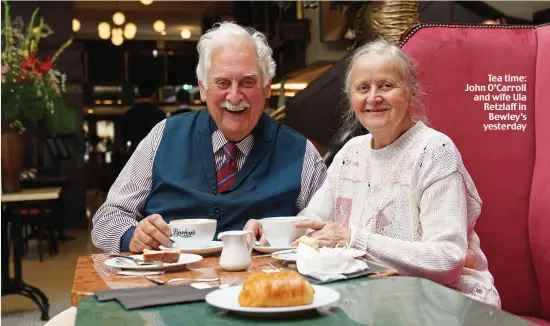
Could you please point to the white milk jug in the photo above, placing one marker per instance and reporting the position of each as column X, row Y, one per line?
column 236, row 250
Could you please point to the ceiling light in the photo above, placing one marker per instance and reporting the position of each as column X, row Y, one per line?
column 159, row 26
column 118, row 18
column 104, row 30
column 103, row 26
column 146, row 2
column 76, row 25
column 130, row 31
column 105, row 35
column 185, row 34
column 116, row 32
column 117, row 40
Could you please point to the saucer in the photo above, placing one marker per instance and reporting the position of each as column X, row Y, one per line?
column 213, row 247
column 285, row 255
column 128, row 264
column 290, row 255
column 268, row 249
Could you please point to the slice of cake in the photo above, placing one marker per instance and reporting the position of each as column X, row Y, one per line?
column 308, row 241
column 165, row 256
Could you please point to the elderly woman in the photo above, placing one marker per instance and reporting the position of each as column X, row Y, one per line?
column 401, row 193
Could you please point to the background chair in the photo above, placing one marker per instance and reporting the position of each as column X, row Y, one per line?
column 511, row 169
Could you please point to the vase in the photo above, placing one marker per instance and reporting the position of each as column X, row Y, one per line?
column 13, row 151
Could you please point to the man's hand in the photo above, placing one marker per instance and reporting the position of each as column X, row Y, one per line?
column 150, row 233
column 329, row 234
column 255, row 226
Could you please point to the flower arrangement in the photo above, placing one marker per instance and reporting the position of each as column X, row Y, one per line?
column 32, row 89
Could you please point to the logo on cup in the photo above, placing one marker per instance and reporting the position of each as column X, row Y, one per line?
column 183, row 234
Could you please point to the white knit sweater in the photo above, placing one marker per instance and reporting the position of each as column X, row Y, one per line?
column 412, row 206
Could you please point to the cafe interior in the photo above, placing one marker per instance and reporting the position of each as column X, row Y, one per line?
column 61, row 156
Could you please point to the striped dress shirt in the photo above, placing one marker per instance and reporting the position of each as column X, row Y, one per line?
column 125, row 203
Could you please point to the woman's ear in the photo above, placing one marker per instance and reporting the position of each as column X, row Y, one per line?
column 412, row 95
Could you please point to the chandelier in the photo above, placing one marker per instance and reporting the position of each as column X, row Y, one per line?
column 119, row 31
column 117, row 34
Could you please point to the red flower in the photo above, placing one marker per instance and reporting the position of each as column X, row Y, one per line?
column 5, row 70
column 28, row 64
column 45, row 66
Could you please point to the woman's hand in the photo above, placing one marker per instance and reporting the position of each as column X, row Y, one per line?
column 329, row 234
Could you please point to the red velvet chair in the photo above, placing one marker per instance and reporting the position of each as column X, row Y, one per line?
column 511, row 169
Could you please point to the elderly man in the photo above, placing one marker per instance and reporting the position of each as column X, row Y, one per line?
column 230, row 162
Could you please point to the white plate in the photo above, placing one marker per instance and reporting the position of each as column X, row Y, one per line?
column 213, row 247
column 127, row 264
column 290, row 255
column 286, row 255
column 228, row 298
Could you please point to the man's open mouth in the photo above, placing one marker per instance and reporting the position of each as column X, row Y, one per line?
column 236, row 109
column 377, row 110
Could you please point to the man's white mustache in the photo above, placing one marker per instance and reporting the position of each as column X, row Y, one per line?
column 235, row 107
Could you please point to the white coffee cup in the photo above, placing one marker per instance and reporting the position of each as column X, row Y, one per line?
column 192, row 233
column 280, row 231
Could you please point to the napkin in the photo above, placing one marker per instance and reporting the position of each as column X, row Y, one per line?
column 154, row 296
column 170, row 295
column 328, row 264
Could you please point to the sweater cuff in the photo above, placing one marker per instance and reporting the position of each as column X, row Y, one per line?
column 353, row 235
column 359, row 239
column 125, row 240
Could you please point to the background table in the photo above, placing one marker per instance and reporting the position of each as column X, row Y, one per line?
column 32, row 194
column 16, row 285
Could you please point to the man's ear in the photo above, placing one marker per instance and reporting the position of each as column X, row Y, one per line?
column 267, row 90
column 202, row 91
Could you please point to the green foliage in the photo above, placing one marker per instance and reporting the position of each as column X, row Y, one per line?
column 32, row 89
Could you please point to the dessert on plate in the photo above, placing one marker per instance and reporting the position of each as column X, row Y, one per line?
column 308, row 241
column 165, row 256
column 280, row 289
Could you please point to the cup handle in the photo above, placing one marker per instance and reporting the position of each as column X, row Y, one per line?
column 250, row 243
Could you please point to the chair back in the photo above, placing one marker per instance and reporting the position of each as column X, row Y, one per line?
column 484, row 87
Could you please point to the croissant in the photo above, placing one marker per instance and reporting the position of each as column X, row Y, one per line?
column 280, row 289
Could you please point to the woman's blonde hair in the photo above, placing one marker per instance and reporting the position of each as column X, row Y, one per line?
column 407, row 69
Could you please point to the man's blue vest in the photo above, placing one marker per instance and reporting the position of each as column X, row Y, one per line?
column 184, row 174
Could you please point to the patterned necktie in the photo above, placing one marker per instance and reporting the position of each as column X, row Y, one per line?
column 228, row 172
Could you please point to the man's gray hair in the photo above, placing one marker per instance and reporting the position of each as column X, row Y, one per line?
column 407, row 69
column 226, row 32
